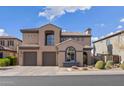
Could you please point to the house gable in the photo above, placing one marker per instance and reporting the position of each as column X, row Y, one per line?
column 69, row 43
column 49, row 27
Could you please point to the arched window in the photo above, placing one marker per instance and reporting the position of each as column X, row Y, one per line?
column 49, row 38
column 70, row 54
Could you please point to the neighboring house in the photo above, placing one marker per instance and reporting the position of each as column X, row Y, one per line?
column 49, row 46
column 111, row 45
column 9, row 46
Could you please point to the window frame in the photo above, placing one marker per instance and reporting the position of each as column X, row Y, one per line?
column 67, row 52
column 48, row 33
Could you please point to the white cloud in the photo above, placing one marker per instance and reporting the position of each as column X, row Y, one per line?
column 102, row 37
column 119, row 26
column 3, row 33
column 111, row 33
column 122, row 20
column 94, row 38
column 102, row 25
column 64, row 30
column 52, row 12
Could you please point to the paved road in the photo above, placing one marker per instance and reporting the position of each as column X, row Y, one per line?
column 106, row 80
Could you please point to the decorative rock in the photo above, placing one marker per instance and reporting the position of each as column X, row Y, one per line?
column 80, row 69
column 74, row 67
column 69, row 69
column 85, row 68
column 90, row 67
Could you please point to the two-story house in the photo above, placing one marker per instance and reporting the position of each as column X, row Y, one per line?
column 9, row 46
column 110, row 45
column 49, row 46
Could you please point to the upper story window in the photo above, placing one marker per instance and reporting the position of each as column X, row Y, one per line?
column 2, row 42
column 10, row 43
column 49, row 38
column 108, row 42
column 109, row 46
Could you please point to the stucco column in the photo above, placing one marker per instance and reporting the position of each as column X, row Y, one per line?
column 20, row 58
column 79, row 57
column 89, row 58
column 39, row 58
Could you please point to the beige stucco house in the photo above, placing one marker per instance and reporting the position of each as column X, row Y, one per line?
column 9, row 46
column 111, row 45
column 49, row 46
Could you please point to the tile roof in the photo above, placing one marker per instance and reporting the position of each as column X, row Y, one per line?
column 9, row 37
column 108, row 36
column 68, row 41
column 71, row 33
column 6, row 48
column 74, row 34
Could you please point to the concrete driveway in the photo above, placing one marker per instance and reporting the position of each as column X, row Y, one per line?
column 28, row 70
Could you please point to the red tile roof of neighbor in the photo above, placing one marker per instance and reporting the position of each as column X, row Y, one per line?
column 3, row 48
column 9, row 37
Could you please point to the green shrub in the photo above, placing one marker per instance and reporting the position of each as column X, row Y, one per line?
column 7, row 61
column 122, row 66
column 109, row 64
column 13, row 60
column 100, row 65
column 2, row 63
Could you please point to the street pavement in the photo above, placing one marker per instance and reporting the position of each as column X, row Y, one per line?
column 68, row 80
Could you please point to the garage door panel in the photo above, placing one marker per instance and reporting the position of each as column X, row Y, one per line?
column 30, row 58
column 49, row 59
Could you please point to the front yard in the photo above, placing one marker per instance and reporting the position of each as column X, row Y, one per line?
column 55, row 70
column 100, row 68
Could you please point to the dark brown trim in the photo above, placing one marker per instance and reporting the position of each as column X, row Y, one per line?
column 29, row 48
column 87, row 48
column 29, row 31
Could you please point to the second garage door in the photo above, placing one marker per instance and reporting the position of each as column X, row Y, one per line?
column 30, row 58
column 49, row 58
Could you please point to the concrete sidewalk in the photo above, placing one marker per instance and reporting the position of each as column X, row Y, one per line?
column 52, row 71
column 100, row 72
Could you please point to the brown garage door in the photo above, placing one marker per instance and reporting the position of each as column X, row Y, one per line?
column 49, row 59
column 30, row 59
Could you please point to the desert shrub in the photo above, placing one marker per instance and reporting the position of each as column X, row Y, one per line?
column 109, row 64
column 13, row 60
column 7, row 61
column 2, row 63
column 122, row 66
column 100, row 65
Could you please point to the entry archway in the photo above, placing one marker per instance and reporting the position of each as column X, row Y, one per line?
column 70, row 54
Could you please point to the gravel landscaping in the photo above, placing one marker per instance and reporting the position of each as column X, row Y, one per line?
column 55, row 70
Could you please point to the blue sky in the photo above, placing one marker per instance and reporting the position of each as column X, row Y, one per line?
column 102, row 20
